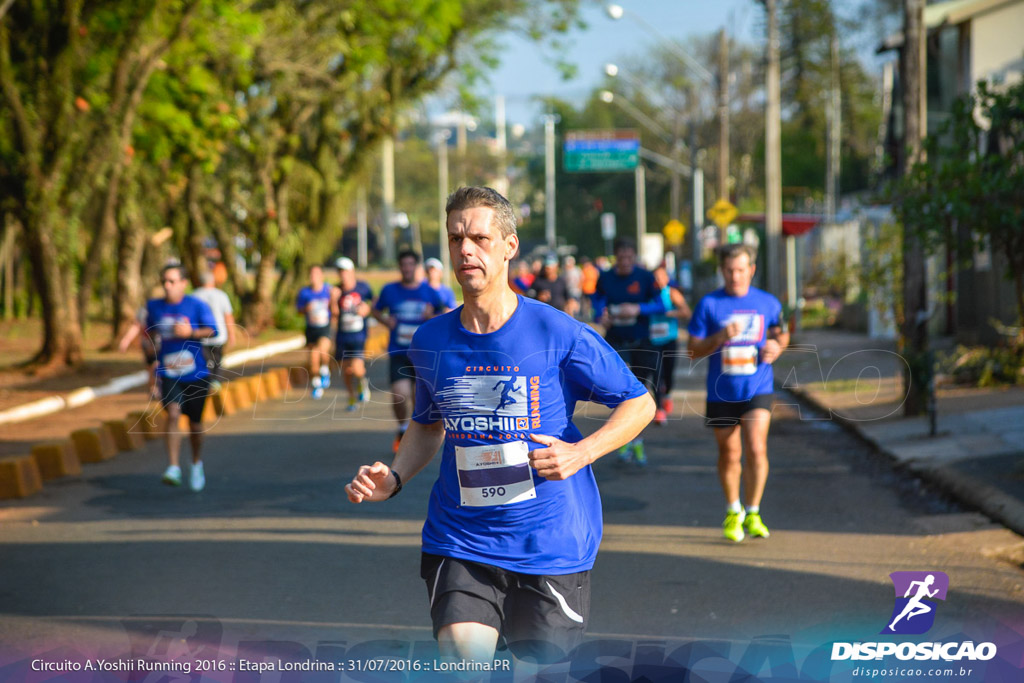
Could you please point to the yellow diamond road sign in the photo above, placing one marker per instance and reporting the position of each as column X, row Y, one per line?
column 674, row 232
column 723, row 213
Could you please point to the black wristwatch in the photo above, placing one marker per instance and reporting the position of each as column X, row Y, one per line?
column 398, row 487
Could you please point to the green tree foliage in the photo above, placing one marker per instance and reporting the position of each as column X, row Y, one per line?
column 973, row 176
column 217, row 119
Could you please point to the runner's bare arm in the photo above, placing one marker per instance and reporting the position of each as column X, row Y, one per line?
column 561, row 460
column 705, row 346
column 778, row 340
column 374, row 483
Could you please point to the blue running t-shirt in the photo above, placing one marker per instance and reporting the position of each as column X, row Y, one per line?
column 492, row 391
column 638, row 287
column 351, row 325
column 735, row 371
column 319, row 315
column 180, row 359
column 410, row 308
column 447, row 296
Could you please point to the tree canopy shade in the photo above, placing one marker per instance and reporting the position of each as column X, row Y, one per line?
column 215, row 118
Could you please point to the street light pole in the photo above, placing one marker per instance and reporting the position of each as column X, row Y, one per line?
column 723, row 115
column 549, row 180
column 641, row 207
column 773, row 156
column 388, row 195
column 442, row 195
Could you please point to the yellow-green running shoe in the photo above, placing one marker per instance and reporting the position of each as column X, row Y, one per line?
column 732, row 527
column 754, row 527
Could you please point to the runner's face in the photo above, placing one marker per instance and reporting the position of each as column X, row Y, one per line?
column 316, row 278
column 625, row 259
column 174, row 286
column 738, row 273
column 434, row 276
column 407, row 267
column 479, row 253
column 348, row 280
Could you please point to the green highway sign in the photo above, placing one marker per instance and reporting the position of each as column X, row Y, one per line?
column 601, row 150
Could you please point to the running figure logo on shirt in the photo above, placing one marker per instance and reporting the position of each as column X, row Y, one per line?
column 473, row 395
column 914, row 611
column 751, row 327
column 508, row 386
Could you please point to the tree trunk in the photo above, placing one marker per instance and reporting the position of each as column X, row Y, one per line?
column 107, row 229
column 259, row 314
column 914, row 333
column 62, row 332
column 128, row 288
column 196, row 228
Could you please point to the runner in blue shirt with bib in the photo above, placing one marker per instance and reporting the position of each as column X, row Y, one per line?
column 624, row 301
column 740, row 329
column 403, row 306
column 314, row 302
column 514, row 520
column 177, row 325
column 350, row 304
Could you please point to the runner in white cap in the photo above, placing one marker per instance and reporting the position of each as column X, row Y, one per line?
column 350, row 304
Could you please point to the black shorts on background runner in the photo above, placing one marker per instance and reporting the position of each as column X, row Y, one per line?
column 191, row 396
column 315, row 334
column 729, row 413
column 541, row 617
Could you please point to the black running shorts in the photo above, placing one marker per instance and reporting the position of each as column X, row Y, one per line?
column 729, row 413
column 191, row 396
column 540, row 617
column 400, row 367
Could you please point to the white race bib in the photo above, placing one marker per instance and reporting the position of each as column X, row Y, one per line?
column 179, row 363
column 739, row 360
column 320, row 315
column 404, row 332
column 660, row 329
column 351, row 322
column 618, row 318
column 494, row 475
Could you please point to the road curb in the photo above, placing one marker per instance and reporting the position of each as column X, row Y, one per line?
column 993, row 503
column 80, row 397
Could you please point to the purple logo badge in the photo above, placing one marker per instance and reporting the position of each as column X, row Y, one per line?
column 914, row 611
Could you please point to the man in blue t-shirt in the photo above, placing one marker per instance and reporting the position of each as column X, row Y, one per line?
column 625, row 299
column 177, row 325
column 514, row 520
column 314, row 302
column 350, row 304
column 740, row 329
column 402, row 307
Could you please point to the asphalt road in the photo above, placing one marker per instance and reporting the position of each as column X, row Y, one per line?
column 272, row 561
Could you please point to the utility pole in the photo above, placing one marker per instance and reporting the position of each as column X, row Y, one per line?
column 914, row 337
column 442, row 202
column 833, row 156
column 773, row 156
column 640, row 178
column 361, row 255
column 501, row 185
column 723, row 115
column 549, row 180
column 388, row 195
column 460, row 148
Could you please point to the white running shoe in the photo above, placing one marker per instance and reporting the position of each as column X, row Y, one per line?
column 172, row 476
column 197, row 478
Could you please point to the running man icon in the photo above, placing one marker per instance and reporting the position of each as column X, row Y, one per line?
column 916, row 595
column 915, row 606
column 507, row 387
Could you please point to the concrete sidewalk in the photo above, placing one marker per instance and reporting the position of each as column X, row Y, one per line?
column 976, row 453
